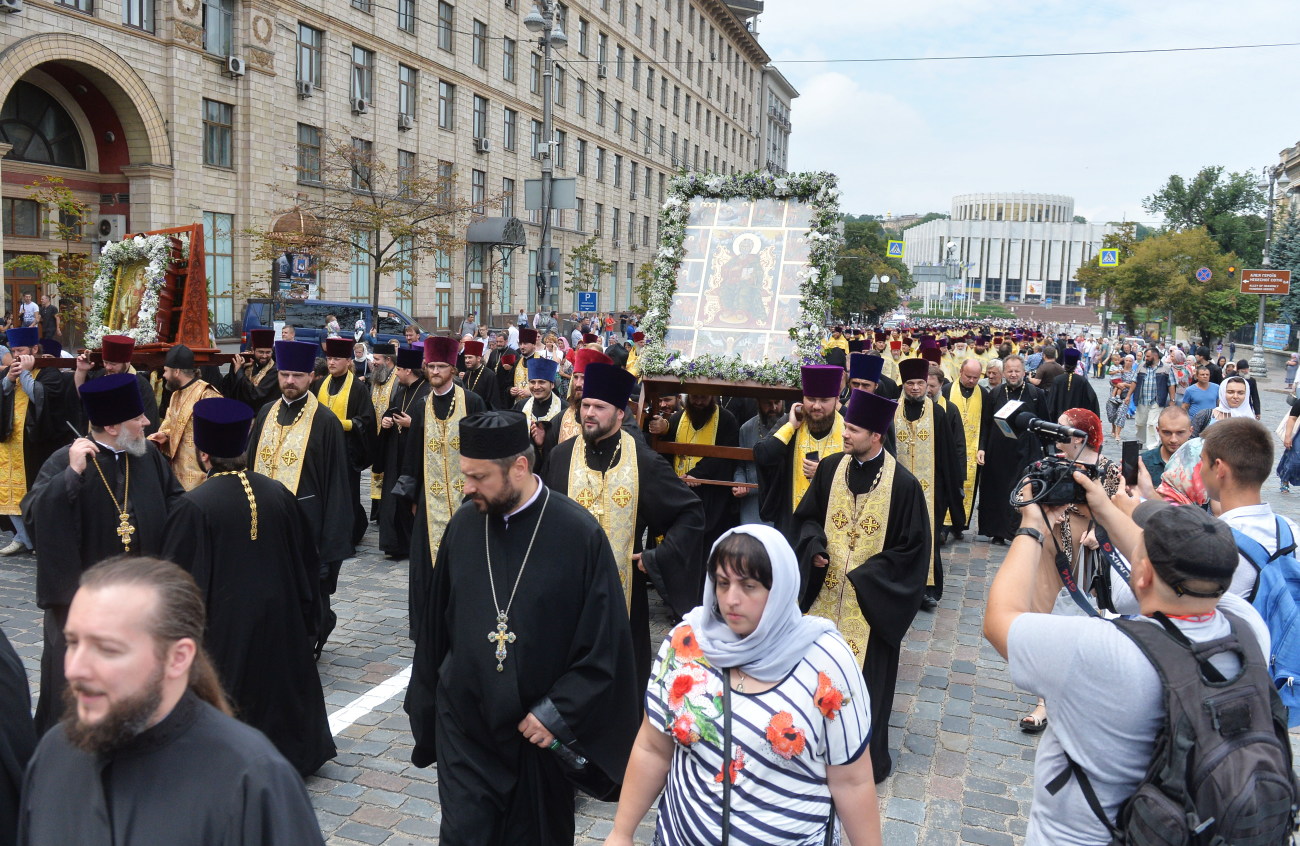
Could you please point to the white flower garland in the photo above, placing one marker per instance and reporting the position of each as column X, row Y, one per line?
column 818, row 190
column 156, row 251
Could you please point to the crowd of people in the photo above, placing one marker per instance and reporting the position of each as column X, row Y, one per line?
column 190, row 528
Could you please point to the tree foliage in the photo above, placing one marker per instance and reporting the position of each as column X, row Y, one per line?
column 586, row 268
column 1284, row 254
column 1228, row 207
column 71, row 271
column 353, row 204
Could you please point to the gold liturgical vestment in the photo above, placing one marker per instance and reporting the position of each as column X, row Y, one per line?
column 971, row 411
column 855, row 531
column 804, row 443
column 443, row 482
column 13, row 472
column 180, row 433
column 281, row 449
column 379, row 396
column 570, row 422
column 916, row 448
column 611, row 497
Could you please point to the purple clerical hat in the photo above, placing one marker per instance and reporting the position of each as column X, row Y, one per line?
column 295, row 356
column 607, row 383
column 23, row 336
column 1071, row 356
column 869, row 411
column 821, row 380
column 221, row 426
column 863, row 366
column 112, row 399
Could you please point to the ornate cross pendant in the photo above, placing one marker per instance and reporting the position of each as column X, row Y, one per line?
column 501, row 637
column 853, row 539
column 125, row 530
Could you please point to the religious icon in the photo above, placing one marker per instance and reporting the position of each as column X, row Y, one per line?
column 128, row 290
column 703, row 213
column 740, row 284
column 683, row 311
column 798, row 215
column 747, row 345
column 734, row 213
column 768, row 212
column 796, row 246
column 690, row 276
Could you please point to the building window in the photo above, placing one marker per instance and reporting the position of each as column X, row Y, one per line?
column 406, row 16
column 359, row 276
column 311, row 45
column 446, row 26
column 363, row 74
column 86, row 6
column 618, row 117
column 362, row 150
column 614, row 223
column 407, row 170
column 442, row 297
column 558, row 85
column 363, row 5
column 404, row 275
column 578, row 214
column 507, row 197
column 218, row 132
column 534, row 73
column 618, row 171
column 480, row 116
column 446, row 182
column 636, row 73
column 219, row 260
column 580, row 98
column 138, row 13
column 509, row 128
column 584, row 27
column 40, row 130
column 561, row 141
column 620, row 61
column 309, row 142
column 22, row 218
column 596, row 220
column 582, row 157
column 219, row 26
column 508, row 48
column 650, row 83
column 446, row 105
column 478, row 189
column 407, row 88
column 536, row 139
column 636, row 21
column 600, row 164
column 602, row 48
column 480, row 44
column 600, row 108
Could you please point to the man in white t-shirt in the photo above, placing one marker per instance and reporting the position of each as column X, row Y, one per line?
column 1104, row 698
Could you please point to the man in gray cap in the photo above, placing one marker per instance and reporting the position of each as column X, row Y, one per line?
column 1183, row 561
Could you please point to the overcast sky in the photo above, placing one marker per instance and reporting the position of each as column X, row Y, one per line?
column 1107, row 130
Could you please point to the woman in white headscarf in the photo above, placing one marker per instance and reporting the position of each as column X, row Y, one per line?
column 757, row 717
column 1234, row 401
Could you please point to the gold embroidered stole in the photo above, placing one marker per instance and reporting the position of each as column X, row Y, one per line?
column 521, row 372
column 916, row 447
column 570, row 423
column 443, row 482
column 633, row 365
column 612, row 500
column 683, row 464
column 855, row 531
column 805, row 443
column 282, row 449
column 13, row 470
column 256, row 378
column 971, row 411
column 548, row 416
column 180, row 434
column 380, row 395
column 338, row 403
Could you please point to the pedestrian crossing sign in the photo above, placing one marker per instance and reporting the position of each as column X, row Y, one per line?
column 1110, row 258
column 895, row 249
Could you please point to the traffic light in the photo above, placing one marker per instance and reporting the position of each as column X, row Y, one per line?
column 1232, row 271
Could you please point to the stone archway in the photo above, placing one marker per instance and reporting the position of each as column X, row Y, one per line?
column 126, row 92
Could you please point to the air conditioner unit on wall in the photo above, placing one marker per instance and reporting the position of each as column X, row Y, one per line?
column 111, row 227
column 405, row 122
column 11, row 6
column 602, row 71
column 360, row 106
column 235, row 66
column 305, row 89
column 482, row 145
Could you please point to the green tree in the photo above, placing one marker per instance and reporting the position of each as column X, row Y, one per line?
column 1284, row 254
column 585, row 268
column 855, row 295
column 1107, row 280
column 1228, row 206
column 645, row 275
column 70, row 270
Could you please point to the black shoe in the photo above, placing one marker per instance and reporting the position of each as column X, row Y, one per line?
column 998, row 541
column 957, row 536
column 929, row 603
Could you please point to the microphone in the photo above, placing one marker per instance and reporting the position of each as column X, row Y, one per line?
column 1027, row 420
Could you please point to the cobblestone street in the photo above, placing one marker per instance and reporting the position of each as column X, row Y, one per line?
column 963, row 769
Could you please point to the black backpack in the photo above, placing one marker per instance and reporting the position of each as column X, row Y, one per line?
column 1220, row 774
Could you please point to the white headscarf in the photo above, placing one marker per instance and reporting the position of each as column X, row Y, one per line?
column 1243, row 410
column 783, row 635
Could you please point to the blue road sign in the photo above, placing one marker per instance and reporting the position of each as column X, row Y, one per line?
column 1204, row 274
column 587, row 301
column 1109, row 258
column 894, row 249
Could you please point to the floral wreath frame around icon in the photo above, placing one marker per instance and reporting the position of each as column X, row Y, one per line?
column 156, row 252
column 820, row 191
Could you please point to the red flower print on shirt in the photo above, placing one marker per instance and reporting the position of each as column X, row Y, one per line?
column 684, row 644
column 684, row 730
column 828, row 699
column 734, row 768
column 787, row 739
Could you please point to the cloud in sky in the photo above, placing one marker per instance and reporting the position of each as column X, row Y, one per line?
column 1106, row 130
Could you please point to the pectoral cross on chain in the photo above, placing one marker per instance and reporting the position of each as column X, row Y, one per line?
column 501, row 637
column 125, row 530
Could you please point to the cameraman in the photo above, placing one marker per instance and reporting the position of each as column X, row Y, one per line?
column 1183, row 562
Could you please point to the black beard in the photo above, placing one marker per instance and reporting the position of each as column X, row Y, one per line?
column 913, row 400
column 503, row 504
column 122, row 724
column 699, row 416
column 593, row 438
column 819, row 430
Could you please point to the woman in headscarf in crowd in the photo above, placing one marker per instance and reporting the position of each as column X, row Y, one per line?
column 1234, row 394
column 757, row 717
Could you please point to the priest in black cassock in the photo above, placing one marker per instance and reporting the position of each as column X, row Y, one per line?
column 17, row 737
column 342, row 393
column 629, row 487
column 395, row 518
column 1006, row 459
column 1071, row 389
column 864, row 523
column 787, row 458
column 115, row 353
column 254, row 381
column 245, row 540
column 101, row 496
column 478, row 377
column 523, row 661
column 299, row 443
column 703, row 421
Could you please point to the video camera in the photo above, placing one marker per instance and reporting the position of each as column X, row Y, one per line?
column 1051, row 478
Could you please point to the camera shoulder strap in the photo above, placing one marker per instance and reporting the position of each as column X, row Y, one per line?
column 1066, row 572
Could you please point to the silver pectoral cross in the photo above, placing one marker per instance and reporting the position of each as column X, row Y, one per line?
column 501, row 637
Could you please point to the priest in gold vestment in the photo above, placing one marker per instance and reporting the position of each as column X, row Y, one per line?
column 864, row 523
column 175, row 437
column 971, row 402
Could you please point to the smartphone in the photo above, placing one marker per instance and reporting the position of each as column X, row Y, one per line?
column 1129, row 462
column 812, row 456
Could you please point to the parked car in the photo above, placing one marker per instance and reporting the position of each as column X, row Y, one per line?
column 307, row 317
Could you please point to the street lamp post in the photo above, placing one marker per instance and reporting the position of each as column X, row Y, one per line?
column 1274, row 177
column 545, row 22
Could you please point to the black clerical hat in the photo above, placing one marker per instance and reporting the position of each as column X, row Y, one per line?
column 607, row 383
column 388, row 349
column 338, row 347
column 180, row 357
column 494, row 434
column 412, row 358
column 221, row 427
column 913, row 368
column 112, row 399
column 863, row 366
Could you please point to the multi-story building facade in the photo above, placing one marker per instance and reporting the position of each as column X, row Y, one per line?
column 1014, row 247
column 165, row 112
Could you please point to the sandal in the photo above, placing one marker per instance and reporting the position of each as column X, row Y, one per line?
column 1031, row 724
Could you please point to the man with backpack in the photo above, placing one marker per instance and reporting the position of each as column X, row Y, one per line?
column 1106, row 771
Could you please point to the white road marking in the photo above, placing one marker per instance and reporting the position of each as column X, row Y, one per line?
column 370, row 700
